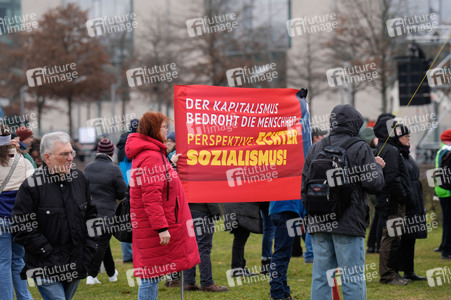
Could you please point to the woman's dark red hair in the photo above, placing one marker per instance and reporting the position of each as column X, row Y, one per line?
column 150, row 124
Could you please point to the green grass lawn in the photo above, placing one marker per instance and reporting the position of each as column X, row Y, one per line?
column 299, row 275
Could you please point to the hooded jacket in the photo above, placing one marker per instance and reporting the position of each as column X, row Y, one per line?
column 157, row 203
column 397, row 184
column 345, row 122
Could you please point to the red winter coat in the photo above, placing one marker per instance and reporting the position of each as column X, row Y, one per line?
column 152, row 210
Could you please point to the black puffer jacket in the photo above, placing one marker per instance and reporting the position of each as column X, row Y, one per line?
column 415, row 212
column 346, row 122
column 106, row 184
column 247, row 215
column 55, row 214
column 397, row 185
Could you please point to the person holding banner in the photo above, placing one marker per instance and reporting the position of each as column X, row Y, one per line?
column 285, row 212
column 158, row 208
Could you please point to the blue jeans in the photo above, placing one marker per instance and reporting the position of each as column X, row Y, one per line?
column 204, row 236
column 127, row 254
column 337, row 250
column 11, row 264
column 51, row 290
column 283, row 243
column 268, row 235
column 148, row 290
column 308, row 254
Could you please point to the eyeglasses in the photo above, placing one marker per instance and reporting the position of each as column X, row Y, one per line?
column 66, row 154
column 165, row 126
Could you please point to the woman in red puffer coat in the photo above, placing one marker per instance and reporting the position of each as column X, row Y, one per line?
column 159, row 208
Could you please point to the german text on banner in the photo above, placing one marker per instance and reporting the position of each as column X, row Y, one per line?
column 240, row 144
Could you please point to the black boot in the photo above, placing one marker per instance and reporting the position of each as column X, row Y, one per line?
column 266, row 263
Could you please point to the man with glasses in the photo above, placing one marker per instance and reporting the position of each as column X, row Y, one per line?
column 56, row 221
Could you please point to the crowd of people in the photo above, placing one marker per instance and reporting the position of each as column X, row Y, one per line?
column 40, row 190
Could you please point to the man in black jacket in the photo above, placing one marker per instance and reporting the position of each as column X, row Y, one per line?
column 53, row 207
column 338, row 240
column 390, row 200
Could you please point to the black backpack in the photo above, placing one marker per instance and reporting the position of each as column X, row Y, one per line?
column 444, row 179
column 123, row 222
column 324, row 195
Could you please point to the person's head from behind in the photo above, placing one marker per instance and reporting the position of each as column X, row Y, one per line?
column 57, row 152
column 34, row 151
column 154, row 125
column 170, row 142
column 5, row 145
column 317, row 134
column 445, row 137
column 367, row 134
column 25, row 134
column 345, row 119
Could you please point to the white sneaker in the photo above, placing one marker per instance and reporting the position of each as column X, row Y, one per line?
column 114, row 277
column 92, row 280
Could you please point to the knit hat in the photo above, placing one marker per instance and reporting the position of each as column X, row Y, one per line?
column 24, row 133
column 171, row 136
column 367, row 134
column 105, row 146
column 446, row 136
column 401, row 130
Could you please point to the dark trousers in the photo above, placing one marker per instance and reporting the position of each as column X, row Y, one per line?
column 103, row 254
column 408, row 254
column 204, row 236
column 446, row 237
column 240, row 236
column 375, row 235
column 283, row 244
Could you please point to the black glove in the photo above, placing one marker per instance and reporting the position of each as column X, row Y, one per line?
column 303, row 93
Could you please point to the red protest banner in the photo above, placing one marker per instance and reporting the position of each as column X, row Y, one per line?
column 238, row 144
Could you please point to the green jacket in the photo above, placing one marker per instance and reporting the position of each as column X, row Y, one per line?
column 441, row 193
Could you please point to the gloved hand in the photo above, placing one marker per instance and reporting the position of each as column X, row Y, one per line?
column 303, row 93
